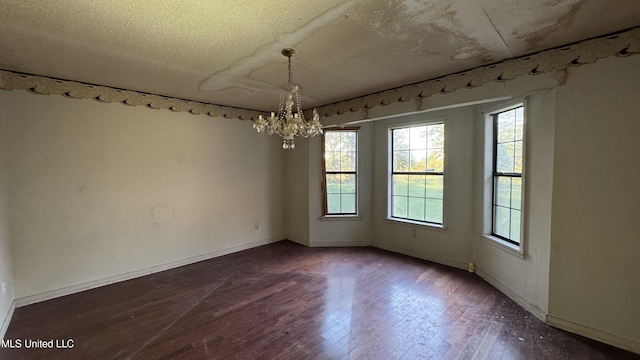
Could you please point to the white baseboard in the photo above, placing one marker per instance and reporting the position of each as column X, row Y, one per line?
column 449, row 262
column 298, row 240
column 7, row 320
column 47, row 295
column 339, row 243
column 632, row 345
column 533, row 309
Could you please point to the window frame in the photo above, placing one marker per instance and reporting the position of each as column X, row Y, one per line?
column 325, row 210
column 390, row 173
column 490, row 161
column 496, row 175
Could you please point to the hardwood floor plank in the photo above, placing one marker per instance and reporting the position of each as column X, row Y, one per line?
column 286, row 301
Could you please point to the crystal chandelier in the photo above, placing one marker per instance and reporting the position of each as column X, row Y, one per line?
column 289, row 122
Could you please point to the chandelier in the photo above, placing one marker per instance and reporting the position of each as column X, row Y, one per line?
column 289, row 122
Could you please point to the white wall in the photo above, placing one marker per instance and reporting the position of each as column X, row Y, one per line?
column 452, row 245
column 102, row 192
column 524, row 278
column 297, row 192
column 347, row 230
column 99, row 191
column 6, row 275
column 582, row 241
column 595, row 243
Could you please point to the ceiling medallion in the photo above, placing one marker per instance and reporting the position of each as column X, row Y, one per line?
column 289, row 121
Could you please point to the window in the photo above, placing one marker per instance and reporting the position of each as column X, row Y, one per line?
column 508, row 142
column 417, row 173
column 340, row 163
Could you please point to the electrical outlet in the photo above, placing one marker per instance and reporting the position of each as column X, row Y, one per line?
column 256, row 226
column 413, row 233
column 4, row 287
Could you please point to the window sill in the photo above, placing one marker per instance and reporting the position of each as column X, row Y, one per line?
column 503, row 245
column 340, row 218
column 415, row 224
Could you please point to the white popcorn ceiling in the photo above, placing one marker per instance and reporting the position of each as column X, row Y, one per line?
column 227, row 52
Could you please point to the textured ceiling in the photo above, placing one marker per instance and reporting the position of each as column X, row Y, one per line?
column 227, row 52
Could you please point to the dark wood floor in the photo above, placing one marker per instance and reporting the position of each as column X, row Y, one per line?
column 286, row 301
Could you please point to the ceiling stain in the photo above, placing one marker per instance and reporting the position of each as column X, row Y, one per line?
column 242, row 68
column 426, row 28
column 227, row 52
column 536, row 38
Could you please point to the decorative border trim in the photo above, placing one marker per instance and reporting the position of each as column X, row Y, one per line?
column 42, row 85
column 625, row 43
column 46, row 295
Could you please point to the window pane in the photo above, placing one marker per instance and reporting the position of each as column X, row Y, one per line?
column 506, row 126
column 520, row 123
column 518, row 156
column 348, row 203
column 502, row 221
column 348, row 140
column 332, row 160
column 348, row 184
column 416, row 209
column 400, row 138
column 418, row 160
column 348, row 161
column 400, row 185
column 502, row 191
column 435, row 160
column 418, row 137
column 332, row 141
column 333, row 203
column 436, row 136
column 399, row 206
column 505, row 158
column 434, row 186
column 401, row 161
column 516, row 193
column 417, row 185
column 434, row 211
column 333, row 184
column 515, row 226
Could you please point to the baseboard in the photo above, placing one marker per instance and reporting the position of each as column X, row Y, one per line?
column 412, row 253
column 595, row 334
column 533, row 309
column 339, row 243
column 47, row 295
column 7, row 320
column 298, row 240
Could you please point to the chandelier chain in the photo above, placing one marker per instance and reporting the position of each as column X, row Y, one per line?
column 289, row 71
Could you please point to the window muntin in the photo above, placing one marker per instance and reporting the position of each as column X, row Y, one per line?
column 417, row 173
column 508, row 142
column 340, row 177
